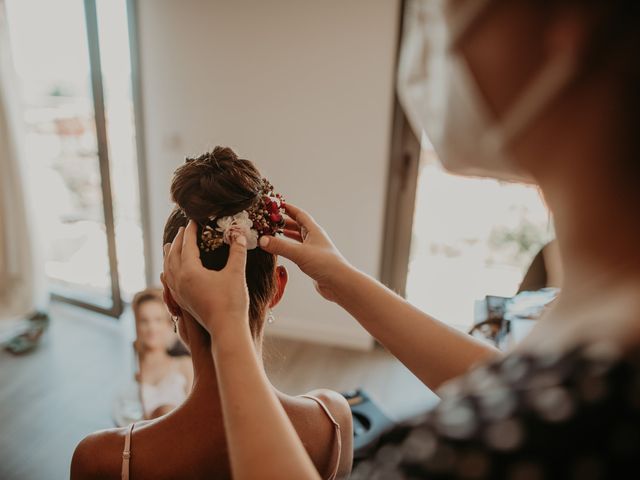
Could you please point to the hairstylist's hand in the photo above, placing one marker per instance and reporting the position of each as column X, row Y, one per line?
column 309, row 246
column 216, row 299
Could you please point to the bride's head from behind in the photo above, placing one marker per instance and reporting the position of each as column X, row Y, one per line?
column 225, row 194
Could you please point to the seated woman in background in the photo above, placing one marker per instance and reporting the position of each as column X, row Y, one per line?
column 165, row 380
column 224, row 194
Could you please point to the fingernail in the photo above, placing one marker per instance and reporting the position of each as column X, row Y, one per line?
column 264, row 241
column 241, row 240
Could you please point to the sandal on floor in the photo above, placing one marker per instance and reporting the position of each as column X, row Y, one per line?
column 29, row 340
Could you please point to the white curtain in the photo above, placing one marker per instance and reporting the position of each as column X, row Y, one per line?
column 22, row 283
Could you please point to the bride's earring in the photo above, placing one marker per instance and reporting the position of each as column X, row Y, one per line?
column 175, row 324
column 270, row 317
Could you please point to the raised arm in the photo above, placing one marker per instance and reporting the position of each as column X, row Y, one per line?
column 262, row 441
column 432, row 350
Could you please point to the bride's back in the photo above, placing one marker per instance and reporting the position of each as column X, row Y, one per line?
column 190, row 442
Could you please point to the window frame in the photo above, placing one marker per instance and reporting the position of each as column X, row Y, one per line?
column 93, row 45
column 402, row 182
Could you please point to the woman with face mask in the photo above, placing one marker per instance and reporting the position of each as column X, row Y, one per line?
column 534, row 90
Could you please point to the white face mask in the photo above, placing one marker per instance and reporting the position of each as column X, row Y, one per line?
column 442, row 101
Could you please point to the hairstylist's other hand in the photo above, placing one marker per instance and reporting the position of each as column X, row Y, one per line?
column 216, row 299
column 309, row 246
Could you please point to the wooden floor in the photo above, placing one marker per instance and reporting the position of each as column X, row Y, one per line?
column 53, row 397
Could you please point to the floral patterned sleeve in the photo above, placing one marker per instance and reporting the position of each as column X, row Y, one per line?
column 526, row 417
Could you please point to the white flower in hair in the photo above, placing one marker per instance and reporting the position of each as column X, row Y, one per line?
column 240, row 223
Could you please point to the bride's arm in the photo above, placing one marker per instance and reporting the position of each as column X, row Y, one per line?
column 262, row 441
column 432, row 350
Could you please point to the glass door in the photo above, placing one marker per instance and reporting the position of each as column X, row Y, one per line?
column 471, row 237
column 75, row 116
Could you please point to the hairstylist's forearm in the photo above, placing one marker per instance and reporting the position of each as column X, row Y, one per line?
column 432, row 350
column 261, row 439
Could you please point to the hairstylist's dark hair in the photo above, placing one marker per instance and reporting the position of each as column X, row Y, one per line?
column 219, row 183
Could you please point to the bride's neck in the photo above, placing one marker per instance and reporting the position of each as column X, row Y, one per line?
column 153, row 355
column 205, row 381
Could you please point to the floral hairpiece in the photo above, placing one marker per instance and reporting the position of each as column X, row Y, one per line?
column 264, row 218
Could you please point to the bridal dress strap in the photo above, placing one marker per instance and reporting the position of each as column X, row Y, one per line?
column 126, row 453
column 338, row 442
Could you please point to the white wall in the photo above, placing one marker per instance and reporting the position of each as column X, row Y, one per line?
column 304, row 89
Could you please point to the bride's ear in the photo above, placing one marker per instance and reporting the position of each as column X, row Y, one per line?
column 171, row 304
column 282, row 277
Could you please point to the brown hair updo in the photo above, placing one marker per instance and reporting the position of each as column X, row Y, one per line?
column 218, row 183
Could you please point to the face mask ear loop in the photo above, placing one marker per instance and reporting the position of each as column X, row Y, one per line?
column 536, row 99
column 540, row 93
column 551, row 227
column 465, row 17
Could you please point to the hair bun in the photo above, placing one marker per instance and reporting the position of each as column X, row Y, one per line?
column 214, row 184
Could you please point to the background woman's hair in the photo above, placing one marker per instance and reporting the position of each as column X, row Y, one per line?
column 219, row 183
column 148, row 295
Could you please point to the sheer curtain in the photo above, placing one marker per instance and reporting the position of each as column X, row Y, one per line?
column 22, row 282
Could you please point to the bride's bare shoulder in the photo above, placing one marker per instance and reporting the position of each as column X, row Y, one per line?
column 331, row 398
column 341, row 412
column 99, row 455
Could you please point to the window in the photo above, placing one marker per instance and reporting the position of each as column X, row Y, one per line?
column 471, row 237
column 450, row 240
column 73, row 66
